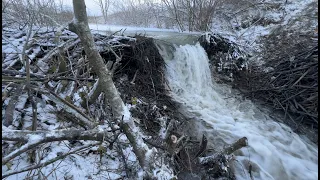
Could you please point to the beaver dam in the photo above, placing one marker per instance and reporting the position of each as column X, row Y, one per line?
column 201, row 128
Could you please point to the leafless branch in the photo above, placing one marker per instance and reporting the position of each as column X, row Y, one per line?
column 35, row 138
column 50, row 161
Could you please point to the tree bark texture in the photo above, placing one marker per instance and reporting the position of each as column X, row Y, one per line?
column 81, row 28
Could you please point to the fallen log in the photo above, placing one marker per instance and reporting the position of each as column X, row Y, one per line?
column 243, row 142
column 217, row 165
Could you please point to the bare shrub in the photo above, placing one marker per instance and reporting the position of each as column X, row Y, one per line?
column 42, row 12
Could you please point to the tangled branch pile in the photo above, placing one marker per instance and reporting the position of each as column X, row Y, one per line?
column 288, row 81
column 62, row 95
column 62, row 89
column 226, row 57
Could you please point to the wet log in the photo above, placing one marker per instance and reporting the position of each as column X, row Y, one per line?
column 243, row 142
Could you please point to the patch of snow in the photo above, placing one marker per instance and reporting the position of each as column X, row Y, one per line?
column 132, row 31
column 162, row 131
column 208, row 35
column 22, row 101
column 77, row 99
column 164, row 172
column 103, row 27
column 128, row 152
column 126, row 114
column 34, row 138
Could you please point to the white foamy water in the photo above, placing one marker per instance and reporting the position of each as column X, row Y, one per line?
column 274, row 151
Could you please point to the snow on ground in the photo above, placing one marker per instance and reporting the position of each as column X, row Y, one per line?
column 80, row 166
column 249, row 37
column 131, row 31
column 294, row 8
column 103, row 27
column 246, row 37
column 86, row 165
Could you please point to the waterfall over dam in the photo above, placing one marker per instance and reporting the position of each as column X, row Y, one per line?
column 274, row 150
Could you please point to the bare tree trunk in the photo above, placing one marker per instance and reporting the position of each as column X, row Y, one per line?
column 104, row 7
column 80, row 27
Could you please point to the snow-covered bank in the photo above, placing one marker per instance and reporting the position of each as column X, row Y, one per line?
column 168, row 35
column 114, row 28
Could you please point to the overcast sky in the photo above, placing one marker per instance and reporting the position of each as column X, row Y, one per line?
column 92, row 7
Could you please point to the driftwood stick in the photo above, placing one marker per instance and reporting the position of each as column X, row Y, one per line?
column 202, row 147
column 243, row 142
column 66, row 45
column 11, row 107
column 81, row 118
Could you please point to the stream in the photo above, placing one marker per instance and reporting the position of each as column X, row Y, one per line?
column 274, row 151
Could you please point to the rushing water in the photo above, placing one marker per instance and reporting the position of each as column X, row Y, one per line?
column 274, row 151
